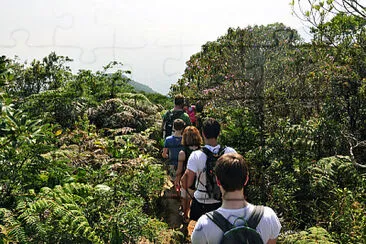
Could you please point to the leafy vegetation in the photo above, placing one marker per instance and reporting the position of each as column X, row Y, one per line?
column 79, row 162
column 296, row 110
column 80, row 153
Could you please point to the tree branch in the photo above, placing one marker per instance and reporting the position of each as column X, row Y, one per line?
column 354, row 161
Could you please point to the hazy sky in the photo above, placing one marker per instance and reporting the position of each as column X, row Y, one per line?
column 152, row 38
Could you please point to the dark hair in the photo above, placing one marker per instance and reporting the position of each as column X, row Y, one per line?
column 211, row 128
column 191, row 136
column 179, row 124
column 186, row 102
column 199, row 106
column 179, row 100
column 232, row 171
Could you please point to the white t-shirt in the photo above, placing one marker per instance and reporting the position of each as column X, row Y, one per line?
column 197, row 164
column 208, row 232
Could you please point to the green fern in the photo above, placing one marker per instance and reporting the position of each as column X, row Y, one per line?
column 11, row 230
column 310, row 236
column 61, row 209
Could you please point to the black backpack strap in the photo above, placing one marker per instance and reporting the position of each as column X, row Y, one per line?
column 207, row 151
column 209, row 154
column 219, row 220
column 221, row 150
column 168, row 115
column 187, row 152
column 256, row 216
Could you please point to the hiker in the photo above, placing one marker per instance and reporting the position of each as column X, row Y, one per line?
column 203, row 200
column 172, row 146
column 232, row 175
column 191, row 140
column 191, row 111
column 176, row 113
column 199, row 115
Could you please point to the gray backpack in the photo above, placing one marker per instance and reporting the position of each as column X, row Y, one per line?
column 212, row 189
column 239, row 234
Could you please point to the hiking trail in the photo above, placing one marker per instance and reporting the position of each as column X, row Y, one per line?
column 170, row 204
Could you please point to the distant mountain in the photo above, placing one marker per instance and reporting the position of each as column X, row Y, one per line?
column 138, row 86
column 141, row 87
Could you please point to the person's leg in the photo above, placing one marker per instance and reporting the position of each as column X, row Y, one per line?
column 183, row 195
column 189, row 200
column 186, row 202
column 171, row 172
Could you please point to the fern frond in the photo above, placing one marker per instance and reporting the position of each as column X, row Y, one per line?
column 11, row 230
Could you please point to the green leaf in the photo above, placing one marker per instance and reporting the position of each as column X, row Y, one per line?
column 102, row 187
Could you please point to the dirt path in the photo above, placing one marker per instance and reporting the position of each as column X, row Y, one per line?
column 170, row 208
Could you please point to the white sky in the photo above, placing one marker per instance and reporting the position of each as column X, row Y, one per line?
column 152, row 38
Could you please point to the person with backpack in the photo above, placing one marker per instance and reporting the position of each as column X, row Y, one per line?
column 176, row 113
column 191, row 141
column 200, row 164
column 236, row 221
column 172, row 146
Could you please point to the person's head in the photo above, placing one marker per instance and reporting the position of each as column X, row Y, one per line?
column 199, row 106
column 178, row 125
column 211, row 128
column 179, row 100
column 232, row 172
column 191, row 136
column 186, row 103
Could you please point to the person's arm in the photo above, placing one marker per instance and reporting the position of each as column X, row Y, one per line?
column 162, row 125
column 272, row 224
column 190, row 173
column 186, row 119
column 179, row 172
column 187, row 178
column 164, row 154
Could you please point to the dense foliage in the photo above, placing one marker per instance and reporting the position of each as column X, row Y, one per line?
column 79, row 162
column 80, row 153
column 297, row 111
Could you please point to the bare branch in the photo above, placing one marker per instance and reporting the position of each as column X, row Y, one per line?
column 355, row 6
column 351, row 150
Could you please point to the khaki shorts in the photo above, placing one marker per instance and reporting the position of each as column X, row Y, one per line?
column 184, row 194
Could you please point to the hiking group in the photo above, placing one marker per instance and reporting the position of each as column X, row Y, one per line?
column 210, row 180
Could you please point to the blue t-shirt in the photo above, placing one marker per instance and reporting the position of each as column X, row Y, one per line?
column 173, row 143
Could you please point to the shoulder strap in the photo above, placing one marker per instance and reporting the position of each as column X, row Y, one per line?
column 219, row 220
column 256, row 216
column 206, row 151
column 168, row 115
column 221, row 150
column 187, row 151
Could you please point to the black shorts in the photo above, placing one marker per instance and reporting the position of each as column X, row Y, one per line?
column 198, row 209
